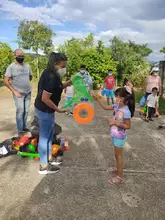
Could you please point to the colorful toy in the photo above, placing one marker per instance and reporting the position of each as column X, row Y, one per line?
column 81, row 94
column 62, row 147
column 25, row 154
column 143, row 110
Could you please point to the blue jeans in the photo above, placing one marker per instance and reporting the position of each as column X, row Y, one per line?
column 22, row 108
column 68, row 99
column 46, row 124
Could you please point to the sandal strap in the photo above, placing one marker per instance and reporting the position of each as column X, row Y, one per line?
column 116, row 180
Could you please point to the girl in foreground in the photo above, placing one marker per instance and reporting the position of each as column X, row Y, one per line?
column 118, row 125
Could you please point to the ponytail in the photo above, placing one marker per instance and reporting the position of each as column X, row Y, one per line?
column 129, row 99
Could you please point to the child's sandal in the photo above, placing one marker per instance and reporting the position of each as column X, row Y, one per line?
column 116, row 180
column 111, row 170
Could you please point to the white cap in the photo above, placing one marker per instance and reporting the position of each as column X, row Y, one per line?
column 154, row 69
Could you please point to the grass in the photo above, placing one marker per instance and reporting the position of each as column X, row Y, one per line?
column 139, row 94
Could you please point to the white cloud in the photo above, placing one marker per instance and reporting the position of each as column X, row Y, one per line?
column 136, row 20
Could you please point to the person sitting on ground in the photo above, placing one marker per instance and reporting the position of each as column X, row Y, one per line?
column 152, row 104
column 109, row 85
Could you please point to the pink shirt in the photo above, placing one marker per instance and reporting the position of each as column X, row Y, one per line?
column 152, row 82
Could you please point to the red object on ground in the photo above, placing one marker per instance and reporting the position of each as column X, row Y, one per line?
column 23, row 140
column 36, row 158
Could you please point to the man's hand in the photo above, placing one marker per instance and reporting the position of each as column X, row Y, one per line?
column 17, row 94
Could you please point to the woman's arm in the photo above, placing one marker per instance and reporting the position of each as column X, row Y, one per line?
column 105, row 107
column 46, row 99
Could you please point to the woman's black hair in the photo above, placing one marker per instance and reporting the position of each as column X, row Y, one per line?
column 129, row 99
column 54, row 59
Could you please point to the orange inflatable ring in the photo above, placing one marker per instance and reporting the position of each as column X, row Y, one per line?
column 83, row 106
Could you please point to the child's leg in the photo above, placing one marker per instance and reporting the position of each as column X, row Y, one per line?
column 118, row 147
column 108, row 96
column 112, row 96
column 119, row 161
column 108, row 101
column 149, row 112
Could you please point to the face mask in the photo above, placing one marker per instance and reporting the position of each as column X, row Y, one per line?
column 155, row 74
column 82, row 71
column 110, row 74
column 19, row 59
column 62, row 72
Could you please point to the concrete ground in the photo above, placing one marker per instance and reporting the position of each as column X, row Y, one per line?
column 80, row 190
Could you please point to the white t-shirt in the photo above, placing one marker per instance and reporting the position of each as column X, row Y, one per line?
column 69, row 91
column 152, row 100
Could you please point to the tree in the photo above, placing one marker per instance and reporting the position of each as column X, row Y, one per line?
column 6, row 57
column 72, row 49
column 141, row 49
column 163, row 50
column 34, row 35
column 131, row 57
column 87, row 42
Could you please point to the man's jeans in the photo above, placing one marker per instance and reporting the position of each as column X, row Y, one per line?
column 22, row 108
column 46, row 133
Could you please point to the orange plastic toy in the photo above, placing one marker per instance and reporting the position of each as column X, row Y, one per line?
column 83, row 107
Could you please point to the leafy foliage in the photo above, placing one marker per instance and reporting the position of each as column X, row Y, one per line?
column 162, row 50
column 6, row 57
column 131, row 57
column 126, row 59
column 96, row 57
column 34, row 35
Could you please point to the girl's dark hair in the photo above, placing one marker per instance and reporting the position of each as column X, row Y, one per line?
column 129, row 99
column 54, row 59
column 125, row 82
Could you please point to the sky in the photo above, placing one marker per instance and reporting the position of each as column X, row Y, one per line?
column 142, row 21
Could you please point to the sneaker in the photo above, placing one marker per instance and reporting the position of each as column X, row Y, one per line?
column 26, row 130
column 48, row 170
column 20, row 134
column 55, row 161
column 60, row 159
column 150, row 119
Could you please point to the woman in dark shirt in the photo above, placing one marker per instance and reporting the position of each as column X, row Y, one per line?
column 48, row 97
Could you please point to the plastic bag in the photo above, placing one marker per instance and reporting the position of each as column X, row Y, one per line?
column 142, row 101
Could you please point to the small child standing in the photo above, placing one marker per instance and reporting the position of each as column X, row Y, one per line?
column 68, row 97
column 152, row 104
column 118, row 124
